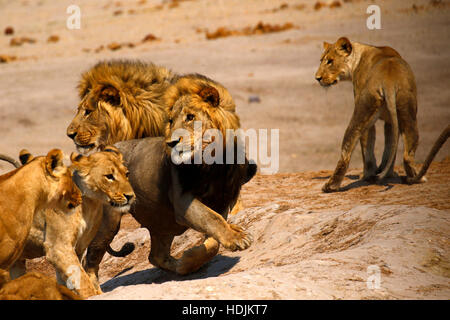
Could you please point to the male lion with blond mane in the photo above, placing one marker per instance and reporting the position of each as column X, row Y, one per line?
column 384, row 87
column 63, row 239
column 41, row 184
column 174, row 197
column 120, row 100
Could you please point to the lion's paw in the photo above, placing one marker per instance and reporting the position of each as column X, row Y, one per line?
column 238, row 239
column 330, row 187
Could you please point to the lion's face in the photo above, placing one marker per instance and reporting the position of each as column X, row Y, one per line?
column 89, row 128
column 334, row 63
column 103, row 176
column 193, row 114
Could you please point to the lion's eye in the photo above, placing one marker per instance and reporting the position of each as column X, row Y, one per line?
column 87, row 112
column 109, row 177
column 330, row 61
column 170, row 121
column 190, row 117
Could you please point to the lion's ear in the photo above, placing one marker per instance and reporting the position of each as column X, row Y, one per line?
column 25, row 156
column 326, row 45
column 210, row 95
column 344, row 45
column 54, row 162
column 113, row 150
column 110, row 94
column 75, row 157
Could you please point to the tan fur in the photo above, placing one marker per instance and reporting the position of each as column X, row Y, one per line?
column 43, row 183
column 202, row 99
column 172, row 198
column 63, row 239
column 384, row 87
column 33, row 286
column 120, row 100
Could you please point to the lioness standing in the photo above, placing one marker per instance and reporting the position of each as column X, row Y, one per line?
column 384, row 87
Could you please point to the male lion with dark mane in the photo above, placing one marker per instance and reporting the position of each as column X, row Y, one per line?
column 120, row 100
column 384, row 88
column 174, row 197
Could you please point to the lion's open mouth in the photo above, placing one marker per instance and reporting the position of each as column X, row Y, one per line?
column 85, row 148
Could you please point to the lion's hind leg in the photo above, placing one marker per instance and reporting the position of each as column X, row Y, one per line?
column 410, row 135
column 191, row 260
column 367, row 141
column 195, row 257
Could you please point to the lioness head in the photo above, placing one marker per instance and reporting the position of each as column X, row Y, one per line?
column 103, row 176
column 334, row 62
column 63, row 194
column 195, row 104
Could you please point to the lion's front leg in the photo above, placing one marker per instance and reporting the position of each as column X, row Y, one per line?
column 97, row 248
column 362, row 119
column 192, row 213
column 69, row 270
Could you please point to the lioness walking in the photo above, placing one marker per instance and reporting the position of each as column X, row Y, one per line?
column 384, row 87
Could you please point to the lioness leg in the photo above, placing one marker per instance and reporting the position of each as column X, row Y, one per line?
column 387, row 146
column 97, row 248
column 362, row 119
column 393, row 120
column 367, row 141
column 388, row 141
column 191, row 260
column 69, row 270
column 410, row 135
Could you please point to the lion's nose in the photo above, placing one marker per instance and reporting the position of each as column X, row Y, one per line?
column 129, row 197
column 173, row 143
column 318, row 78
column 71, row 135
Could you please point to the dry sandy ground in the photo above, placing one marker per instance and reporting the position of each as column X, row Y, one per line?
column 307, row 244
column 310, row 245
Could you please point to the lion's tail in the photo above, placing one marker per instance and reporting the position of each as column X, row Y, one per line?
column 436, row 147
column 10, row 160
column 126, row 249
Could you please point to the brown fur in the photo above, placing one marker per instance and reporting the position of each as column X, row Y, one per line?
column 43, row 183
column 33, row 286
column 63, row 239
column 120, row 100
column 384, row 87
column 172, row 198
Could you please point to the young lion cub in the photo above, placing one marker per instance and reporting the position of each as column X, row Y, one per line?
column 384, row 87
column 42, row 183
column 102, row 179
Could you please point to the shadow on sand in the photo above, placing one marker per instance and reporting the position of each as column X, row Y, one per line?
column 387, row 182
column 218, row 265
